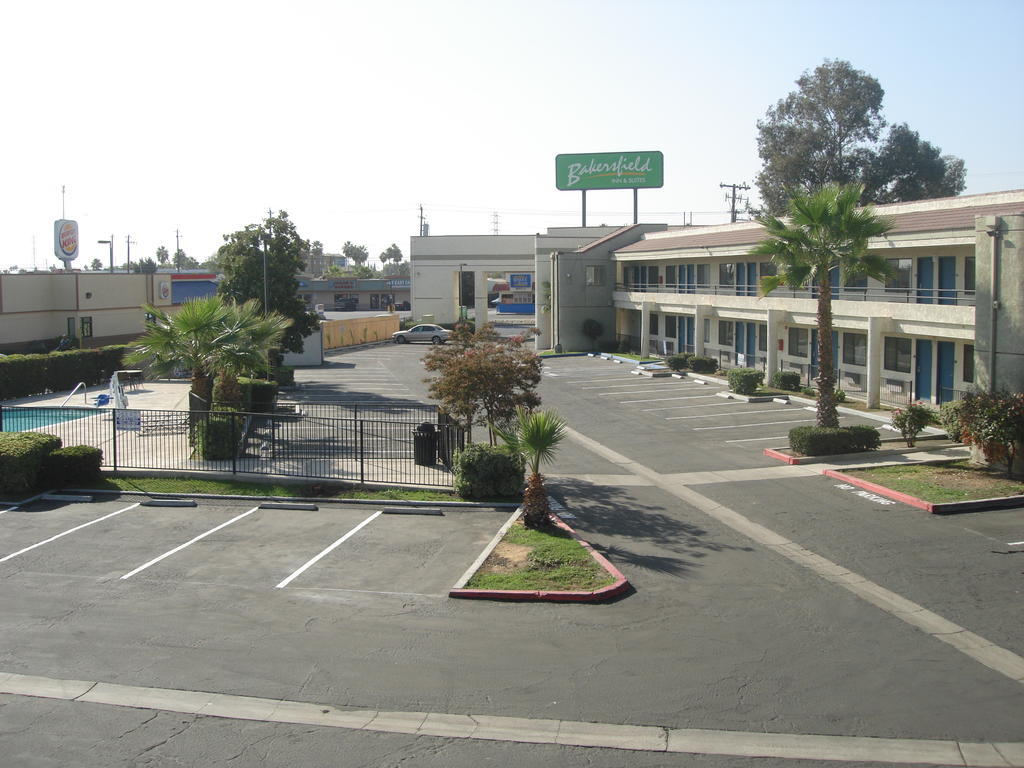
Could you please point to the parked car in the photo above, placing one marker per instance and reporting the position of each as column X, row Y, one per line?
column 435, row 334
column 346, row 305
column 403, row 306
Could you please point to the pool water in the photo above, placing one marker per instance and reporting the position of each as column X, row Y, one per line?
column 22, row 419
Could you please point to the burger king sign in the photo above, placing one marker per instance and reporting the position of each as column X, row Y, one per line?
column 65, row 240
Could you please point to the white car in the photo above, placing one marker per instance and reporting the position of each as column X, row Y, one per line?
column 435, row 334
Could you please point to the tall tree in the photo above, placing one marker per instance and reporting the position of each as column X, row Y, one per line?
column 483, row 377
column 96, row 265
column 825, row 231
column 146, row 266
column 162, row 256
column 183, row 261
column 392, row 253
column 827, row 132
column 907, row 168
column 357, row 253
column 241, row 259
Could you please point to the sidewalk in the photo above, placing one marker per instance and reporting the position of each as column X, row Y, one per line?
column 162, row 395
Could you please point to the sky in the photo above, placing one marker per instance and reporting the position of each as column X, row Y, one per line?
column 198, row 117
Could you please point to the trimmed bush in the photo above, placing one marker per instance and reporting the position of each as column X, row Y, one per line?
column 76, row 464
column 787, row 380
column 744, row 381
column 27, row 375
column 951, row 419
column 284, row 375
column 826, row 441
column 21, row 459
column 487, row 471
column 700, row 364
column 259, row 395
column 679, row 362
column 217, row 435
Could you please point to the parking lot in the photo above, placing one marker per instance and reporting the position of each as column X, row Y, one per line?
column 364, row 548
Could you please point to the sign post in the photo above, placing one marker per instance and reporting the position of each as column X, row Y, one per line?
column 610, row 170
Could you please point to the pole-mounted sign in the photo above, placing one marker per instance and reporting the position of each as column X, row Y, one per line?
column 610, row 170
column 65, row 241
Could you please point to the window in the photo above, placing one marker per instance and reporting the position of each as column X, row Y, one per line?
column 969, row 363
column 857, row 283
column 86, row 326
column 703, row 275
column 969, row 263
column 670, row 277
column 652, row 324
column 727, row 274
column 762, row 338
column 595, row 274
column 897, row 354
column 707, row 330
column 72, row 327
column 767, row 268
column 855, row 349
column 670, row 326
column 900, row 269
column 798, row 342
column 726, row 333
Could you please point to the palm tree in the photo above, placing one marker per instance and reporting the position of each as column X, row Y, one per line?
column 247, row 336
column 534, row 435
column 206, row 336
column 825, row 230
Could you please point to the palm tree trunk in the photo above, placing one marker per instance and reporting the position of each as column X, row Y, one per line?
column 827, row 415
column 535, row 502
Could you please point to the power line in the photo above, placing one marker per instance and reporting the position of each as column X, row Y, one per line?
column 732, row 208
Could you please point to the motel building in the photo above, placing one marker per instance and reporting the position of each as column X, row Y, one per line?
column 950, row 316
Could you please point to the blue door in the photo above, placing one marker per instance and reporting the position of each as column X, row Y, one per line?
column 944, row 362
column 814, row 352
column 686, row 323
column 740, row 338
column 925, row 280
column 923, row 370
column 688, row 286
column 751, row 349
column 947, row 280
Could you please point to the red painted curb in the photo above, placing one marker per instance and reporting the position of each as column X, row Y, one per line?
column 620, row 585
column 772, row 453
column 881, row 490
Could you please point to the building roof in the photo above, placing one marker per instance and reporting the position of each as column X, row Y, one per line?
column 939, row 215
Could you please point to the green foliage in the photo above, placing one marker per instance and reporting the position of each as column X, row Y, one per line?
column 679, row 362
column 951, row 419
column 809, row 392
column 592, row 330
column 486, row 471
column 994, row 422
column 825, row 441
column 27, row 375
column 839, row 396
column 262, row 394
column 827, row 132
column 701, row 364
column 911, row 420
column 787, row 380
column 217, row 435
column 21, row 459
column 242, row 257
column 284, row 375
column 357, row 253
column 74, row 465
column 393, row 254
column 744, row 381
column 534, row 435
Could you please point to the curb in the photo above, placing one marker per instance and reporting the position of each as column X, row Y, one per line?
column 620, row 585
column 935, row 508
column 781, row 455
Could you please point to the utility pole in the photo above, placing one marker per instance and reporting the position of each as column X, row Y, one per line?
column 732, row 208
column 177, row 241
column 424, row 226
column 128, row 244
column 494, row 222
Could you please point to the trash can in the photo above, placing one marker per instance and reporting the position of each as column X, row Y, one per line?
column 424, row 445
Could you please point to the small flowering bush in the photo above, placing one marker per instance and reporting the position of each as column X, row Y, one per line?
column 994, row 422
column 911, row 420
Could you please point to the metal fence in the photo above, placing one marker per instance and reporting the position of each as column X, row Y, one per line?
column 301, row 443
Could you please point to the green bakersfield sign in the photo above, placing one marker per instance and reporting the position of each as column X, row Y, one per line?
column 610, row 170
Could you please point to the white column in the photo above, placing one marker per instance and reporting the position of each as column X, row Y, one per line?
column 775, row 323
column 875, row 359
column 645, row 323
column 544, row 272
column 699, row 313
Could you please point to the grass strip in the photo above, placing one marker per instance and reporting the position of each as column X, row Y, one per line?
column 555, row 562
column 941, row 483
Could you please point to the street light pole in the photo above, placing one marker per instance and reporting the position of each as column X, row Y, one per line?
column 109, row 242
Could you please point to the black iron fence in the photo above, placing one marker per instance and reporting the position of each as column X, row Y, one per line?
column 305, row 442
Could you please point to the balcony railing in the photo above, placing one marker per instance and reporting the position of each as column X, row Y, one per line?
column 942, row 296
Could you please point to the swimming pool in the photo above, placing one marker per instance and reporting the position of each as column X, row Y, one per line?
column 22, row 419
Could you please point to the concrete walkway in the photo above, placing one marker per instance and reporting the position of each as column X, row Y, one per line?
column 163, row 395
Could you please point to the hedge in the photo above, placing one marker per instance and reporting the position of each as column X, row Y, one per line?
column 27, row 375
column 486, row 471
column 217, row 435
column 680, row 361
column 259, row 395
column 787, row 380
column 21, row 459
column 76, row 464
column 700, row 364
column 826, row 441
column 744, row 381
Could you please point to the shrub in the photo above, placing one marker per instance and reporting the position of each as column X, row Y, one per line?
column 951, row 419
column 700, row 364
column 217, row 435
column 21, row 459
column 994, row 422
column 607, row 345
column 486, row 471
column 826, row 441
column 744, row 381
column 679, row 362
column 284, row 375
column 911, row 420
column 787, row 380
column 624, row 347
column 592, row 330
column 26, row 375
column 808, row 392
column 76, row 464
column 259, row 395
column 839, row 396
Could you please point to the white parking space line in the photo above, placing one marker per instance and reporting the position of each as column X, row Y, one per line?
column 661, row 399
column 617, row 375
column 636, row 391
column 755, row 439
column 633, row 383
column 699, row 405
column 713, row 415
column 65, row 533
column 754, row 424
column 188, row 543
column 329, row 549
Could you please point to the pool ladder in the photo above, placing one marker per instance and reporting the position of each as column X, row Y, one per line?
column 79, row 386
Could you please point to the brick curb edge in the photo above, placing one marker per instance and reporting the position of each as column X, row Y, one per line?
column 620, row 585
